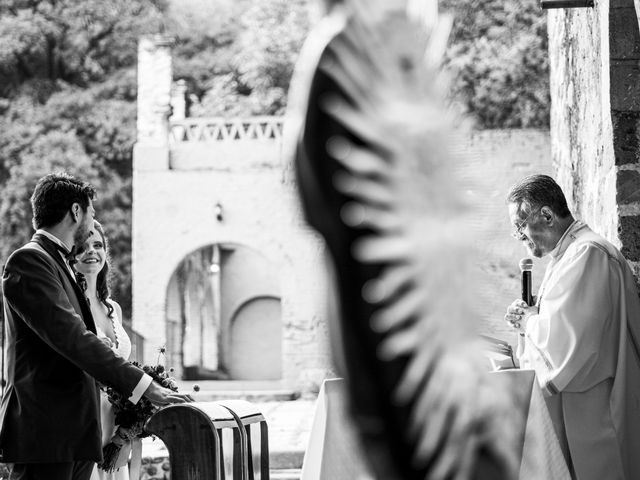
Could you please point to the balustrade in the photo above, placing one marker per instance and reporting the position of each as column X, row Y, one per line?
column 225, row 129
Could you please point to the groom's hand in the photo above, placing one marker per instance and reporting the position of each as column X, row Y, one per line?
column 158, row 395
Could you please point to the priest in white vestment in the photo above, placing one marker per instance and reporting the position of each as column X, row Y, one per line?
column 581, row 337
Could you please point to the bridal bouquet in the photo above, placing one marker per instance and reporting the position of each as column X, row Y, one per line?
column 130, row 418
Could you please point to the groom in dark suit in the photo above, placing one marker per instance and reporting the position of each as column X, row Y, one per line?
column 49, row 415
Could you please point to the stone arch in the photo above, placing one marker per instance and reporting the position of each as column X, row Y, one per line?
column 210, row 287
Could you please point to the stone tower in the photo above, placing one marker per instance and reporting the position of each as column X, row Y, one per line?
column 226, row 275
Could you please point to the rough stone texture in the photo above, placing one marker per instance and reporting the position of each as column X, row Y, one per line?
column 625, row 43
column 625, row 85
column 595, row 91
column 581, row 129
column 626, row 137
column 629, row 228
column 628, row 187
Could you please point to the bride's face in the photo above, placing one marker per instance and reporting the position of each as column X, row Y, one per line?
column 91, row 256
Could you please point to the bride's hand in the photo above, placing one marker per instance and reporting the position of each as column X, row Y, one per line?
column 159, row 395
column 107, row 341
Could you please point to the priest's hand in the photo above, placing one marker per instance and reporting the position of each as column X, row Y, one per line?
column 158, row 395
column 518, row 314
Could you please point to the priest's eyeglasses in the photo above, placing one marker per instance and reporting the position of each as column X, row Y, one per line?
column 517, row 232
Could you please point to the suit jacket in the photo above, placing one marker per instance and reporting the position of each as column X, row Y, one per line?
column 50, row 407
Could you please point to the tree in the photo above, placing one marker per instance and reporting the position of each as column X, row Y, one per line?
column 67, row 102
column 498, row 62
column 68, row 85
column 244, row 67
column 76, row 43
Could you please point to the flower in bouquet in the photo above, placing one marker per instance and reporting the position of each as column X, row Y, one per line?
column 130, row 418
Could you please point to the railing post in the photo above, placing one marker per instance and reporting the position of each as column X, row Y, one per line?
column 197, row 438
column 251, row 420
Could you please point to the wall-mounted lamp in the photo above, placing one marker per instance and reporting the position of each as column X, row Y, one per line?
column 547, row 4
column 217, row 210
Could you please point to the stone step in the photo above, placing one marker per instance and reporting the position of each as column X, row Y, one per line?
column 286, row 459
column 158, row 455
column 252, row 391
column 288, row 474
column 253, row 396
column 282, row 465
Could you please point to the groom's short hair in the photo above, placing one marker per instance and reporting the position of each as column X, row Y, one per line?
column 55, row 194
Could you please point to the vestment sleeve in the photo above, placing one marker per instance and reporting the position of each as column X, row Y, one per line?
column 562, row 342
column 33, row 289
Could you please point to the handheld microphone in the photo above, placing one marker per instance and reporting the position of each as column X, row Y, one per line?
column 526, row 265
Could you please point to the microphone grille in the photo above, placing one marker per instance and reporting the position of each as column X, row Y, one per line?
column 526, row 265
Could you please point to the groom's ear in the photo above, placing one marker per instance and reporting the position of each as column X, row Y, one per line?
column 75, row 212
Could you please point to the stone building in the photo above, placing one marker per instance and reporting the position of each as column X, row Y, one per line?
column 226, row 274
column 221, row 259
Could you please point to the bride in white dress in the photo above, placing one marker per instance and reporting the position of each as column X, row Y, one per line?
column 92, row 263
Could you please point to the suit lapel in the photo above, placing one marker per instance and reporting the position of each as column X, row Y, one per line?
column 81, row 299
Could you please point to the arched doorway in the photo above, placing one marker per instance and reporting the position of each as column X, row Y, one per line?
column 254, row 340
column 223, row 315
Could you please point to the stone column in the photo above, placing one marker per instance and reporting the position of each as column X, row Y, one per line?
column 150, row 165
column 581, row 133
column 154, row 97
column 179, row 100
column 625, row 115
column 595, row 117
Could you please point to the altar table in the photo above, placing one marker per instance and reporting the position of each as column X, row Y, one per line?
column 334, row 453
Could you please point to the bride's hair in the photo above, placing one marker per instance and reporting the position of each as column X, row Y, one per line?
column 102, row 282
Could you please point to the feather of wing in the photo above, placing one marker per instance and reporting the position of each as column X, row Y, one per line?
column 401, row 187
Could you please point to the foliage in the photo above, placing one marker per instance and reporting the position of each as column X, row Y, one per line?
column 43, row 42
column 80, row 131
column 498, row 61
column 67, row 102
column 68, row 85
column 246, row 68
column 68, row 91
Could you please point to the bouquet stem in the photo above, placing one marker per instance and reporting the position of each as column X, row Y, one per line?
column 110, row 454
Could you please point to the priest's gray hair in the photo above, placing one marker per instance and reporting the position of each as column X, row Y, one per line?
column 537, row 191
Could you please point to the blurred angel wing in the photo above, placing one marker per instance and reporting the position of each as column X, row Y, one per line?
column 377, row 182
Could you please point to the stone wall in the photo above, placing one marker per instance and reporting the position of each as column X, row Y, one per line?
column 177, row 183
column 493, row 160
column 581, row 132
column 174, row 216
column 595, row 117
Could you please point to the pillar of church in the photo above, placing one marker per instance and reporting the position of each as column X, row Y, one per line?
column 625, row 113
column 151, row 151
column 595, row 117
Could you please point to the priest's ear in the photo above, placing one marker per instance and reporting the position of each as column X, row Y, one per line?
column 548, row 215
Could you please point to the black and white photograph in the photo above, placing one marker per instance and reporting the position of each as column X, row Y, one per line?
column 320, row 239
